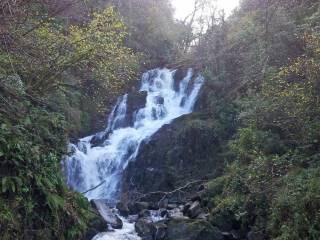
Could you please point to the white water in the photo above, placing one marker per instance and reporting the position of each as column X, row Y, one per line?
column 89, row 165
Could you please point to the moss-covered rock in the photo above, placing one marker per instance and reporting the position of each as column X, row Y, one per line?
column 187, row 229
column 186, row 149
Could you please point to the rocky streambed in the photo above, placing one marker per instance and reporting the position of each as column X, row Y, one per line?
column 161, row 220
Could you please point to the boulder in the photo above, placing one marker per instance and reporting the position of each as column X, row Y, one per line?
column 144, row 228
column 171, row 206
column 186, row 208
column 163, row 212
column 159, row 100
column 123, row 209
column 136, row 207
column 108, row 214
column 144, row 213
column 96, row 225
column 195, row 210
column 173, row 156
column 188, row 229
column 161, row 231
column 135, row 101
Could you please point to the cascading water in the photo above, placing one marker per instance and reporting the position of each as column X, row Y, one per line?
column 90, row 165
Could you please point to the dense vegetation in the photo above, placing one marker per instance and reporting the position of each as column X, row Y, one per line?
column 262, row 66
column 63, row 63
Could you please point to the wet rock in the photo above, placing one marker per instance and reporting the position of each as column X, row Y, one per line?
column 116, row 223
column 201, row 188
column 135, row 101
column 145, row 228
column 188, row 229
column 163, row 212
column 186, row 208
column 195, row 210
column 144, row 213
column 96, row 225
column 159, row 100
column 252, row 235
column 153, row 206
column 123, row 209
column 108, row 214
column 178, row 76
column 161, row 231
column 136, row 207
column 171, row 206
column 174, row 155
column 163, row 203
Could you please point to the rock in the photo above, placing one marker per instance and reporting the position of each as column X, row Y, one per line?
column 186, row 208
column 96, row 225
column 202, row 216
column 188, row 229
column 161, row 231
column 230, row 235
column 163, row 203
column 196, row 197
column 123, row 209
column 159, row 100
column 136, row 100
column 108, row 214
column 175, row 156
column 144, row 213
column 135, row 208
column 144, row 228
column 195, row 210
column 201, row 188
column 163, row 212
column 153, row 206
column 256, row 235
column 171, row 206
column 116, row 223
column 178, row 76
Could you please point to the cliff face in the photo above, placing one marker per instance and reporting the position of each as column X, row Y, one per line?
column 184, row 150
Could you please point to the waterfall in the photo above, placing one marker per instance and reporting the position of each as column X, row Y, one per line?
column 91, row 164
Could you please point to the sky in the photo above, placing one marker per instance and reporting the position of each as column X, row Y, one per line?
column 184, row 7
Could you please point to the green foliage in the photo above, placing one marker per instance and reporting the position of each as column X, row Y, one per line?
column 35, row 203
column 262, row 68
column 295, row 210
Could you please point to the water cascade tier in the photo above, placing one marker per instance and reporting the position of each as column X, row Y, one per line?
column 100, row 159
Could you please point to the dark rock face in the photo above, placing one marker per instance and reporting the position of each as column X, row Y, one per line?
column 135, row 100
column 145, row 228
column 177, row 153
column 194, row 210
column 137, row 207
column 98, row 224
column 178, row 76
column 123, row 209
column 187, row 229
